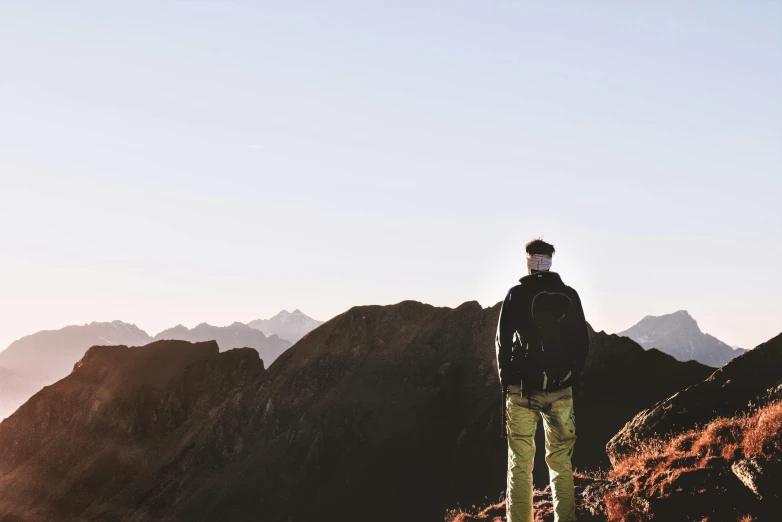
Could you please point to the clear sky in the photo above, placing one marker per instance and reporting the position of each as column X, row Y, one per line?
column 190, row 161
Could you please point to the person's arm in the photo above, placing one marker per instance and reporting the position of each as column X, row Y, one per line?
column 504, row 341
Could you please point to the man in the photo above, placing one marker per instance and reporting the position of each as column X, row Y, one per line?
column 542, row 342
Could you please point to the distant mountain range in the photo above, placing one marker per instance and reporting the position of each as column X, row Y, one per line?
column 236, row 335
column 678, row 335
column 42, row 358
column 290, row 326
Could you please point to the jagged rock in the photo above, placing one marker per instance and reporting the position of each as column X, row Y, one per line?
column 750, row 473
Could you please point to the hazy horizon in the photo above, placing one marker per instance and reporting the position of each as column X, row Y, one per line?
column 155, row 332
column 168, row 163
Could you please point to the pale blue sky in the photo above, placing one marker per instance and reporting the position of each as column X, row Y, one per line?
column 180, row 162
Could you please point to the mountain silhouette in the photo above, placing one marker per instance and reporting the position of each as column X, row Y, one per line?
column 290, row 326
column 42, row 358
column 389, row 410
column 678, row 334
column 236, row 335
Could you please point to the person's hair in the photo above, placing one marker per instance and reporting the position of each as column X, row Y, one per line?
column 538, row 246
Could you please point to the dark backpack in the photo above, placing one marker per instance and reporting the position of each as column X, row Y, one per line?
column 552, row 338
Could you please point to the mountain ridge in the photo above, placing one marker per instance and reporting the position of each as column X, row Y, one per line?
column 235, row 335
column 679, row 335
column 339, row 419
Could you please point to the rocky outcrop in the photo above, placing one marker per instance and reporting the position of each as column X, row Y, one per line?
column 750, row 378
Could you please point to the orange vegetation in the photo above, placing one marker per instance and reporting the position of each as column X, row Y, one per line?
column 654, row 468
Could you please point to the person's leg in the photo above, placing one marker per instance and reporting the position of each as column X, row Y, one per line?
column 560, row 427
column 521, row 426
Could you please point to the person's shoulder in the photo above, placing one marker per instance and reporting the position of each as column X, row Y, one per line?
column 572, row 291
column 514, row 291
column 569, row 289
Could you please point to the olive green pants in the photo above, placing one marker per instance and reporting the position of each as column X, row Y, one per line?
column 523, row 414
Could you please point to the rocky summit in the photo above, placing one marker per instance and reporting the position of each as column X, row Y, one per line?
column 678, row 335
column 290, row 326
column 387, row 412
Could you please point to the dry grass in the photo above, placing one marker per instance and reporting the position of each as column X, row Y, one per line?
column 651, row 470
column 543, row 506
column 491, row 513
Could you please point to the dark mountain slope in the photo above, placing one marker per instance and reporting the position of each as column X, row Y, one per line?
column 619, row 378
column 725, row 393
column 90, row 447
column 377, row 409
column 382, row 411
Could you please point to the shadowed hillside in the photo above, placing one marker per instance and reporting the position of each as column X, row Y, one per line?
column 91, row 446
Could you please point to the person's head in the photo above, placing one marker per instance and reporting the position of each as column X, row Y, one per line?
column 539, row 255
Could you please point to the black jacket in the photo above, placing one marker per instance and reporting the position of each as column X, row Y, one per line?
column 521, row 360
